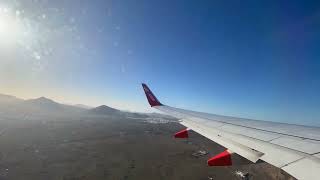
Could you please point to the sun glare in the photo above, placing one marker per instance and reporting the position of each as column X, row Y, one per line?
column 10, row 26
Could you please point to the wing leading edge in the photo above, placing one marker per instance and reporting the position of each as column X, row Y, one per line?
column 289, row 147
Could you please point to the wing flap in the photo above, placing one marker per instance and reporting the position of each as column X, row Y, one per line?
column 261, row 135
column 304, row 169
column 246, row 146
column 218, row 137
column 299, row 144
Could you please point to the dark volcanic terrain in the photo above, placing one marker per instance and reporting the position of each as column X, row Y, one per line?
column 87, row 146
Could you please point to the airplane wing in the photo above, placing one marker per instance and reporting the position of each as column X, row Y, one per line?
column 293, row 148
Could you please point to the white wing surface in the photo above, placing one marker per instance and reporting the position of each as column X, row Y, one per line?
column 293, row 148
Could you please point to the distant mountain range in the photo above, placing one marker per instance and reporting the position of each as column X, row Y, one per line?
column 4, row 99
column 43, row 106
column 11, row 104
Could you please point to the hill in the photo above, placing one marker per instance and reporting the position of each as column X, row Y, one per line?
column 104, row 110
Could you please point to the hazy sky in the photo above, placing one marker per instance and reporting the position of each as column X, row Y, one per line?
column 256, row 59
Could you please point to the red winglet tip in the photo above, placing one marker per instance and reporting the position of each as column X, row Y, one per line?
column 222, row 159
column 182, row 134
column 153, row 101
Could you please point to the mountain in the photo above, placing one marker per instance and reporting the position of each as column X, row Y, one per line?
column 104, row 110
column 7, row 103
column 9, row 99
column 44, row 105
column 109, row 111
column 43, row 102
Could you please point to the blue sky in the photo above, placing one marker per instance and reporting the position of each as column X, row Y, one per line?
column 255, row 59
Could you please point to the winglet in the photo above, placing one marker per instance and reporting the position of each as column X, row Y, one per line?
column 153, row 101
